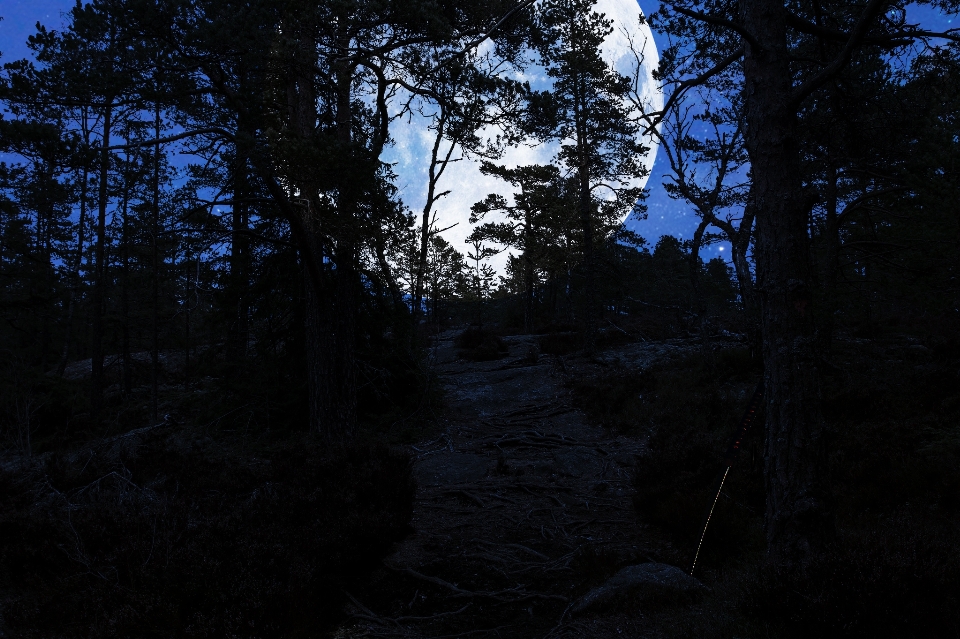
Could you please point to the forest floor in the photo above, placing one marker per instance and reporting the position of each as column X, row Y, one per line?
column 539, row 476
column 523, row 505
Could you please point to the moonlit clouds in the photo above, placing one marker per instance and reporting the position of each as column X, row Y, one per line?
column 410, row 154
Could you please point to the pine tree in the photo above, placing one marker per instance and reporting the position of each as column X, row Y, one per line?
column 531, row 225
column 588, row 112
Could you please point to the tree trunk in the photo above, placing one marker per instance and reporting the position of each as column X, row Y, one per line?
column 421, row 273
column 186, row 321
column 400, row 323
column 586, row 213
column 75, row 284
column 320, row 371
column 331, row 306
column 432, row 177
column 127, row 382
column 741, row 268
column 45, row 249
column 739, row 245
column 831, row 259
column 700, row 304
column 237, row 298
column 798, row 512
column 96, row 376
column 155, row 328
column 330, row 366
column 586, row 227
column 528, row 274
column 345, row 404
column 343, row 338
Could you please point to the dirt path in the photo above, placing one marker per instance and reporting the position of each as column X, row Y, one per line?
column 523, row 506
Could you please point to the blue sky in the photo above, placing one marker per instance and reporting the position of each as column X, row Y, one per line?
column 19, row 18
column 664, row 215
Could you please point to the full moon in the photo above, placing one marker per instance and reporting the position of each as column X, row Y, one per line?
column 413, row 140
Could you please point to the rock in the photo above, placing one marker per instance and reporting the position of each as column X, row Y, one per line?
column 575, row 462
column 640, row 584
column 544, row 468
column 451, row 468
column 625, row 460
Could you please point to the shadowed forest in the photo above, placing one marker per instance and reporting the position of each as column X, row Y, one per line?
column 247, row 391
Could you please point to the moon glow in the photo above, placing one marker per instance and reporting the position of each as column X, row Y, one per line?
column 413, row 140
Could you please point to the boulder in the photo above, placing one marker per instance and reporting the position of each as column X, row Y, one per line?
column 641, row 584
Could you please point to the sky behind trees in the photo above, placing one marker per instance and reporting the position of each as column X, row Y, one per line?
column 665, row 216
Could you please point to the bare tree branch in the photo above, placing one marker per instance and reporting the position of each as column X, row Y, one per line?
column 173, row 138
column 719, row 22
column 859, row 32
column 858, row 203
column 682, row 87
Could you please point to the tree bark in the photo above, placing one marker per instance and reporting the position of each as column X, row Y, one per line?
column 96, row 376
column 45, row 213
column 433, row 175
column 700, row 304
column 125, row 281
column 330, row 365
column 75, row 284
column 586, row 228
column 186, row 318
column 331, row 300
column 739, row 245
column 798, row 513
column 528, row 273
column 342, row 413
column 831, row 259
column 237, row 299
column 155, row 328
column 320, row 369
column 396, row 295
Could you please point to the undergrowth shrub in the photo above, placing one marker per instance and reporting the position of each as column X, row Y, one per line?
column 891, row 412
column 562, row 343
column 172, row 533
column 480, row 345
column 37, row 410
column 892, row 415
column 690, row 408
column 897, row 577
column 892, row 409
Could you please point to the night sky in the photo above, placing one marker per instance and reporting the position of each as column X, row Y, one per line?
column 665, row 216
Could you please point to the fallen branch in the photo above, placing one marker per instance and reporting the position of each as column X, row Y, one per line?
column 520, row 547
column 433, row 580
column 529, row 551
column 432, row 617
column 499, row 595
column 369, row 615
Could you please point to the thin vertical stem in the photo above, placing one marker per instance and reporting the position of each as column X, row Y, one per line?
column 78, row 264
column 186, row 308
column 156, row 264
column 96, row 398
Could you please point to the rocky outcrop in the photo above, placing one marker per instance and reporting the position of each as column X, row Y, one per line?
column 640, row 584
